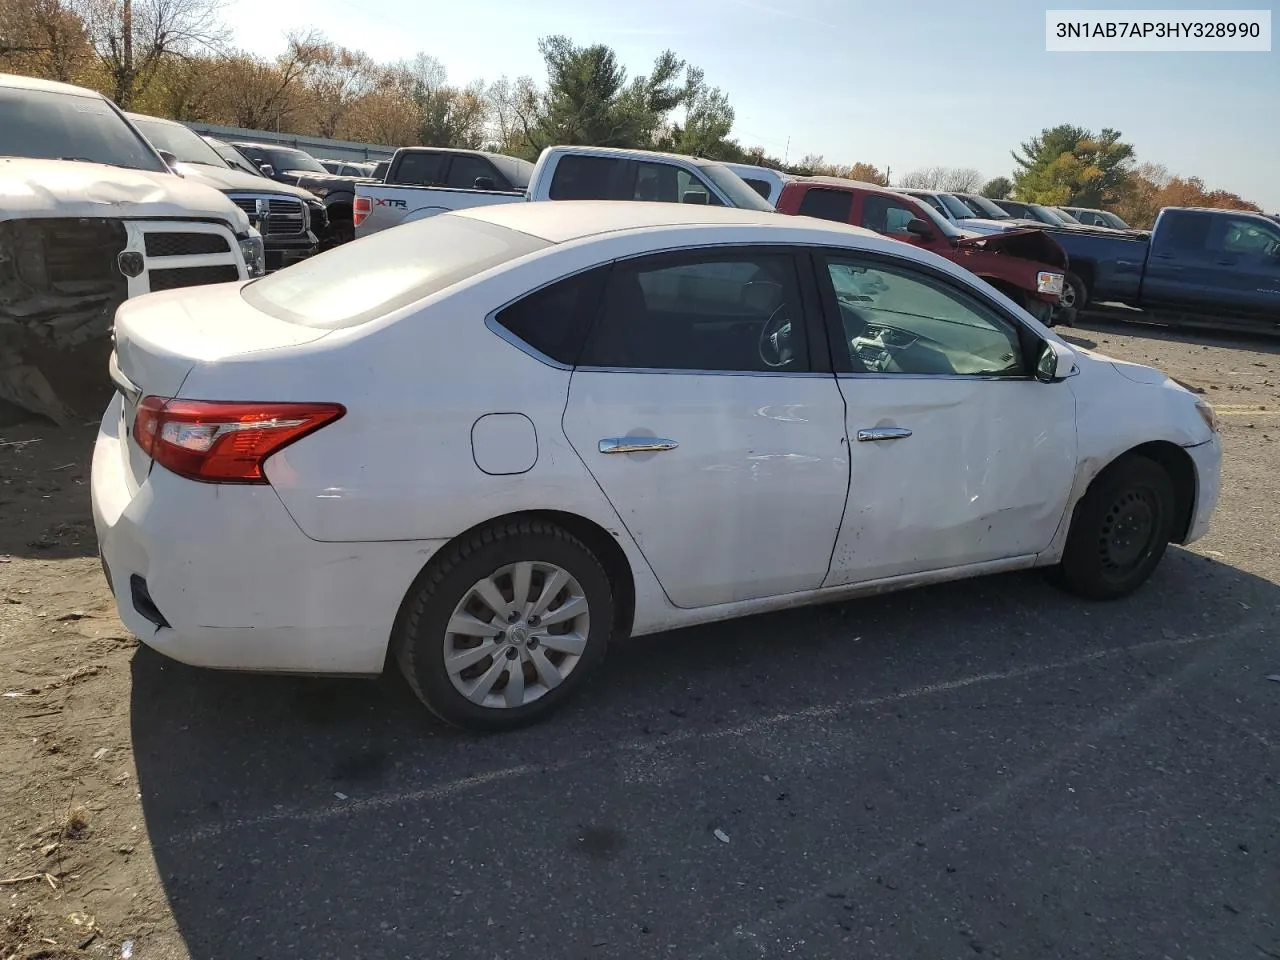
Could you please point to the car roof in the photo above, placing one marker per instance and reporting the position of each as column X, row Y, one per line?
column 16, row 82
column 147, row 116
column 848, row 184
column 561, row 221
column 634, row 154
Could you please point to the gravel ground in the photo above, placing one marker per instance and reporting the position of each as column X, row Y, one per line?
column 979, row 768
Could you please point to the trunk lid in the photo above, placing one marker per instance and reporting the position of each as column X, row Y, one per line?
column 1029, row 244
column 161, row 337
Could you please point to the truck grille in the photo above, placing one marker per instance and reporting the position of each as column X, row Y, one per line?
column 285, row 215
column 185, row 244
column 192, row 277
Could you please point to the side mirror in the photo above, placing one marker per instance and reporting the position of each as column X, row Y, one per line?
column 267, row 170
column 170, row 159
column 920, row 228
column 485, row 183
column 1056, row 363
column 695, row 196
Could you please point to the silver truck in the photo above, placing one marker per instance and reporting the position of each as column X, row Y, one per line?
column 90, row 215
column 561, row 173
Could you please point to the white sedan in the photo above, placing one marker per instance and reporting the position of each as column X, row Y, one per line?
column 482, row 445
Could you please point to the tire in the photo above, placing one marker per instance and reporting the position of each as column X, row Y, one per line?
column 1042, row 311
column 494, row 555
column 1119, row 530
column 1075, row 294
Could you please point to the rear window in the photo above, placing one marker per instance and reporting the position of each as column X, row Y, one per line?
column 419, row 169
column 373, row 276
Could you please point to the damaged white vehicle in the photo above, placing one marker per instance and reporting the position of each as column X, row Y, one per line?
column 91, row 215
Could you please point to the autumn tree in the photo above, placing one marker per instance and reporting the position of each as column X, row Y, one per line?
column 945, row 179
column 1071, row 166
column 42, row 38
column 1152, row 187
column 134, row 38
column 868, row 173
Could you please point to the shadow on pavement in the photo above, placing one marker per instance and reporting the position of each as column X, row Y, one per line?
column 988, row 762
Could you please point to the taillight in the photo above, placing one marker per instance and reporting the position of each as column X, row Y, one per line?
column 361, row 209
column 220, row 442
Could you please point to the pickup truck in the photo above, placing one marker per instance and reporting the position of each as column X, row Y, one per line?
column 423, row 181
column 561, row 173
column 299, row 169
column 1025, row 265
column 284, row 215
column 1199, row 267
column 91, row 215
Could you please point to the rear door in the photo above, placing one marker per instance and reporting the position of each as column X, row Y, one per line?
column 704, row 408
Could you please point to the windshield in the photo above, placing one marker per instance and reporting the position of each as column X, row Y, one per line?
column 1115, row 221
column 1063, row 215
column 1046, row 215
column 356, row 282
column 178, row 140
column 61, row 126
column 956, row 206
column 293, row 160
column 733, row 187
column 985, row 207
column 947, row 228
column 233, row 156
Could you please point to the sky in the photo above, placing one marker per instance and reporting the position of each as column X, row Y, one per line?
column 902, row 86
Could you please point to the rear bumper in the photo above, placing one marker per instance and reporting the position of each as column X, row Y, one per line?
column 1207, row 458
column 240, row 586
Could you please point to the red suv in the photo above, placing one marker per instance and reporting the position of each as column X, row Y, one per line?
column 1027, row 265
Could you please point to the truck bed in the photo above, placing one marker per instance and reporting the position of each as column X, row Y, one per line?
column 379, row 206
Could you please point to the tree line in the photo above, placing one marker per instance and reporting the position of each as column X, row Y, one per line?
column 173, row 58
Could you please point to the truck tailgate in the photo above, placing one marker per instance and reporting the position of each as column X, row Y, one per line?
column 379, row 206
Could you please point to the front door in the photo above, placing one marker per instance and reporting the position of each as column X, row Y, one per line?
column 700, row 413
column 958, row 455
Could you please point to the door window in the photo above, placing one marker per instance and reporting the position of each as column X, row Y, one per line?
column 1249, row 237
column 666, row 183
column 917, row 324
column 739, row 312
column 465, row 169
column 886, row 215
column 579, row 177
column 827, row 204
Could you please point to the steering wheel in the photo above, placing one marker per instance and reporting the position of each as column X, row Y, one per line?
column 775, row 339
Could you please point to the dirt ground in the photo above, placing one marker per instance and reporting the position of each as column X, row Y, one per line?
column 77, row 873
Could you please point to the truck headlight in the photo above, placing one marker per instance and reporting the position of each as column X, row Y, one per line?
column 1047, row 282
column 254, row 253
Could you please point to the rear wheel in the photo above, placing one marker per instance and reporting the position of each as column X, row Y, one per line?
column 503, row 628
column 1120, row 530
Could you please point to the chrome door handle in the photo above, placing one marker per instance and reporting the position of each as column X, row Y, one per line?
column 636, row 445
column 883, row 433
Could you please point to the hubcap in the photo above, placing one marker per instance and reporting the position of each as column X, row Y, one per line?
column 1128, row 531
column 1068, row 296
column 516, row 634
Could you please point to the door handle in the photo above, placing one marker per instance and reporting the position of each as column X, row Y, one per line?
column 883, row 433
column 636, row 445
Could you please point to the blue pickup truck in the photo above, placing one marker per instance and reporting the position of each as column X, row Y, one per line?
column 1211, row 267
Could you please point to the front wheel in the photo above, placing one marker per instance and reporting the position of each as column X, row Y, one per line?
column 503, row 628
column 1074, row 294
column 1120, row 530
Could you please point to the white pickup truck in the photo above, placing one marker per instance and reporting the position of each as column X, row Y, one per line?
column 90, row 215
column 561, row 173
